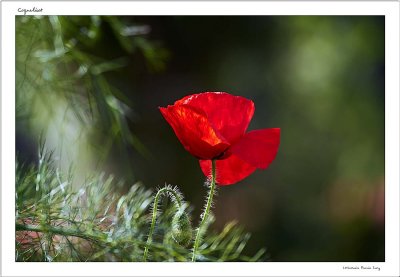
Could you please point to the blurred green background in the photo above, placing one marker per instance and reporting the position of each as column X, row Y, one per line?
column 92, row 85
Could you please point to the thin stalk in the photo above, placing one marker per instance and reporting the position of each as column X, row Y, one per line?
column 58, row 231
column 206, row 212
column 153, row 219
column 67, row 232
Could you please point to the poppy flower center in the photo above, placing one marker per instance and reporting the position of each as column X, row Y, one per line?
column 224, row 154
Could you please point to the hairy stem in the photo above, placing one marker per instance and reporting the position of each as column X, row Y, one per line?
column 153, row 218
column 206, row 212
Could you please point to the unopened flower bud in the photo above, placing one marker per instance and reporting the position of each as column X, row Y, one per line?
column 182, row 228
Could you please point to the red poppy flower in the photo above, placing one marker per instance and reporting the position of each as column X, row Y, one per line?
column 212, row 126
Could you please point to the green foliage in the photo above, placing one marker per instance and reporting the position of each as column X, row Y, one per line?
column 58, row 220
column 63, row 72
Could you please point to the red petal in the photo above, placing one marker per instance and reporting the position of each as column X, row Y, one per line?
column 228, row 171
column 229, row 114
column 258, row 147
column 194, row 131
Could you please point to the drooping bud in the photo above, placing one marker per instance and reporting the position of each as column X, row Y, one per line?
column 182, row 231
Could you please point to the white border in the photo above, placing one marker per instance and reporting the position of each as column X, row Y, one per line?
column 388, row 268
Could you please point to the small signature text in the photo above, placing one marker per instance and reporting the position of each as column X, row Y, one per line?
column 30, row 10
column 363, row 267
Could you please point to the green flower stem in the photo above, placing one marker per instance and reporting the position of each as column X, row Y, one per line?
column 153, row 219
column 206, row 212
